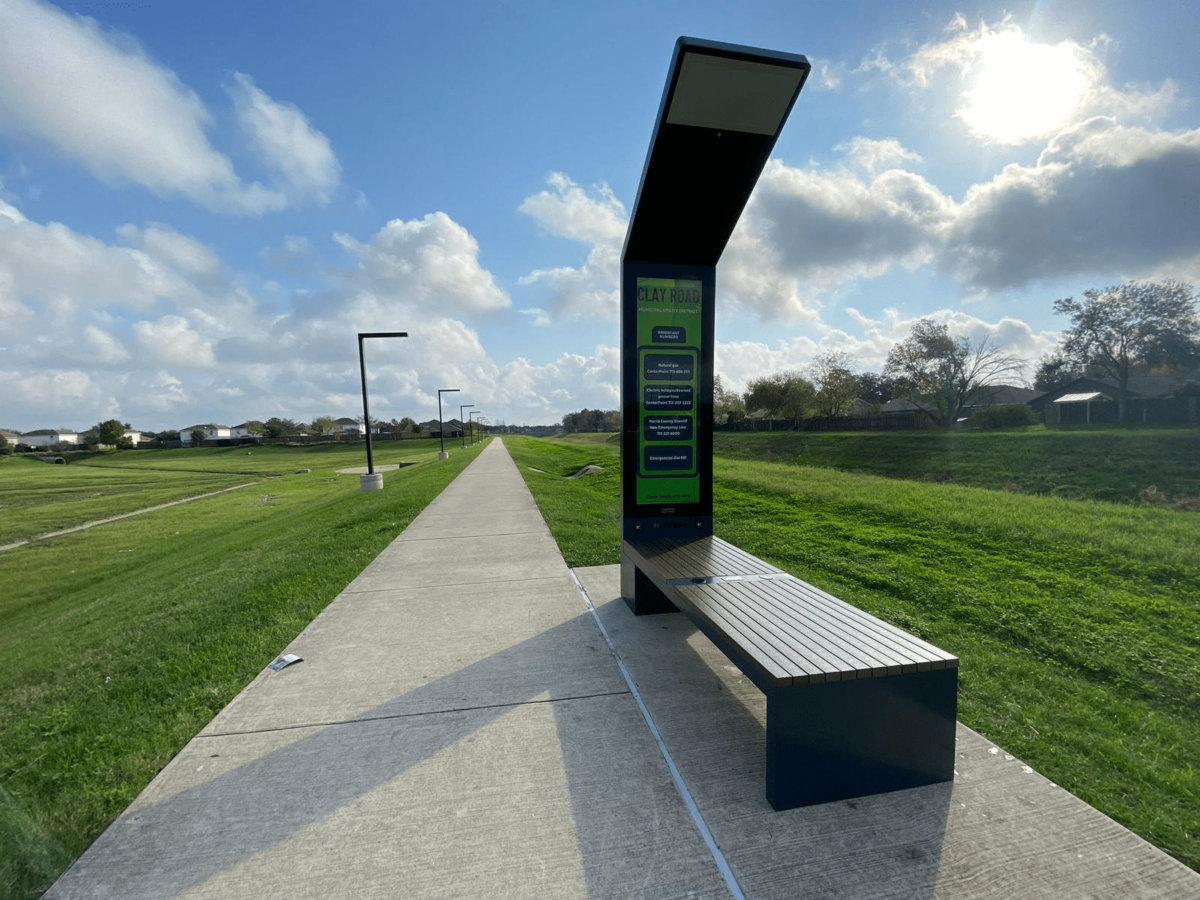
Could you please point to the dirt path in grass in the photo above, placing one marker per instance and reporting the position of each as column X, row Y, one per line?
column 136, row 512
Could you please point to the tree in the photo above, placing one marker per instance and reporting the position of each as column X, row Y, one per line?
column 1123, row 329
column 1054, row 371
column 197, row 437
column 255, row 427
column 875, row 388
column 110, row 432
column 278, row 428
column 728, row 406
column 594, row 420
column 944, row 372
column 783, row 395
column 836, row 384
column 325, row 425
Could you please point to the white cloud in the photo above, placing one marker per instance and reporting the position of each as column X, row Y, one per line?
column 100, row 100
column 50, row 394
column 108, row 350
column 1101, row 199
column 598, row 220
column 164, row 244
column 287, row 143
column 172, row 340
column 806, row 231
column 875, row 156
column 430, row 264
column 60, row 266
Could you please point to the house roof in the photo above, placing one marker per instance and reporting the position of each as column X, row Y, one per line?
column 47, row 431
column 1138, row 387
column 1002, row 395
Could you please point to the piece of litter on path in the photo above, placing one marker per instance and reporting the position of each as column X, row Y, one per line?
column 286, row 660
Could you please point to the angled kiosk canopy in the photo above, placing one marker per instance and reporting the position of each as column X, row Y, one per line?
column 721, row 113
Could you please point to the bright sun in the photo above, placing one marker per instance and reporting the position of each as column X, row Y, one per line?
column 1023, row 90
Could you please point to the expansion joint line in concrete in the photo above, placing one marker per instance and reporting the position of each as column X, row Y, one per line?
column 413, row 715
column 472, row 537
column 445, row 584
column 697, row 817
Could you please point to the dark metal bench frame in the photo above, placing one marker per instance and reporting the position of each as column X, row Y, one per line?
column 855, row 706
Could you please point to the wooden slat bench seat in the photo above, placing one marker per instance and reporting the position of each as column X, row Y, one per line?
column 855, row 705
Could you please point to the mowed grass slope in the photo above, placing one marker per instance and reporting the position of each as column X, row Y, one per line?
column 1077, row 621
column 37, row 498
column 122, row 641
column 1096, row 463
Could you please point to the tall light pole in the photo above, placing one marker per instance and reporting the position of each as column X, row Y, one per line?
column 463, row 432
column 441, row 427
column 371, row 481
column 475, row 413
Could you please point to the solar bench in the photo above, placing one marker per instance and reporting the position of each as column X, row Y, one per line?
column 855, row 706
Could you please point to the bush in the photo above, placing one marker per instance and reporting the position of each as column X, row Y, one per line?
column 1011, row 416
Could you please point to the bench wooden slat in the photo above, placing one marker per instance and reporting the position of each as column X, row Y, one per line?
column 915, row 647
column 800, row 658
column 781, row 612
column 852, row 636
column 701, row 558
column 753, row 649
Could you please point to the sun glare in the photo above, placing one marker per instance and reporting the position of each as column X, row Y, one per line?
column 1023, row 90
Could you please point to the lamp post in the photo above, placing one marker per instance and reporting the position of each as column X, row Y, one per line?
column 441, row 427
column 371, row 481
column 475, row 413
column 483, row 421
column 463, row 433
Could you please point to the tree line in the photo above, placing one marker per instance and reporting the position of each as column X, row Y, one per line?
column 1117, row 332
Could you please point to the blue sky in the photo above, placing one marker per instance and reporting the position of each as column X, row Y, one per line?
column 202, row 203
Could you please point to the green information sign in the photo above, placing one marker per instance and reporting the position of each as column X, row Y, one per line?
column 668, row 348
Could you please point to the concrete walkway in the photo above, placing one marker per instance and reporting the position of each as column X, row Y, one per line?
column 460, row 727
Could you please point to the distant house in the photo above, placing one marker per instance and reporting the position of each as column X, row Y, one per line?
column 351, row 426
column 1149, row 400
column 1001, row 395
column 137, row 437
column 211, row 433
column 243, row 432
column 49, row 437
column 450, row 428
column 983, row 398
column 13, row 437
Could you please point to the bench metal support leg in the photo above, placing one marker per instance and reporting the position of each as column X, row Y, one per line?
column 640, row 593
column 844, row 739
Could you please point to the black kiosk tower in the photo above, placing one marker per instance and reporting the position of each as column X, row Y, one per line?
column 722, row 110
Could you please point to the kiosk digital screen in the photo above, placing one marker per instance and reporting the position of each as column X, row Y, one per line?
column 669, row 315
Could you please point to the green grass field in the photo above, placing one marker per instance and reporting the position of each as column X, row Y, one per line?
column 1077, row 620
column 37, row 498
column 122, row 641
